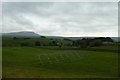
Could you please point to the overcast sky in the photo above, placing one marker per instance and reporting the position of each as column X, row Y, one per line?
column 62, row 18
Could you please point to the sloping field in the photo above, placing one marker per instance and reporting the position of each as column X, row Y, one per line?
column 35, row 62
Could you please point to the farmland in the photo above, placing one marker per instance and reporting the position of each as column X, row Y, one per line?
column 41, row 57
column 59, row 40
column 25, row 62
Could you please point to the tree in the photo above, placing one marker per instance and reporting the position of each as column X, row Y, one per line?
column 43, row 37
column 37, row 43
column 24, row 44
column 73, row 43
column 100, row 38
column 92, row 44
column 54, row 43
column 83, row 44
column 76, row 43
column 15, row 38
column 96, row 42
column 109, row 39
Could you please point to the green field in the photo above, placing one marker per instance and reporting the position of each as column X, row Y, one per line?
column 52, row 62
column 9, row 41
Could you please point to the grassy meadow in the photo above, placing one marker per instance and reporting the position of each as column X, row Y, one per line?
column 24, row 62
column 55, row 62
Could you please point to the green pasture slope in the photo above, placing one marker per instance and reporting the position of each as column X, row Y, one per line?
column 32, row 62
column 9, row 41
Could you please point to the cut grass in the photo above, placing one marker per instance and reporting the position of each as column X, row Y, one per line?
column 22, row 62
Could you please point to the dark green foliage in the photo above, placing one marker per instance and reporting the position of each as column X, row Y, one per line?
column 98, row 43
column 37, row 43
column 83, row 43
column 92, row 44
column 43, row 37
column 15, row 38
column 88, row 42
column 24, row 44
column 26, row 38
column 76, row 43
column 108, row 39
column 73, row 43
column 54, row 43
column 21, row 38
column 9, row 41
column 95, row 43
column 69, row 44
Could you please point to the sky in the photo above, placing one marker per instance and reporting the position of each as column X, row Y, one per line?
column 69, row 19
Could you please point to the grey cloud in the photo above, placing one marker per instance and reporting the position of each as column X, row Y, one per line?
column 62, row 18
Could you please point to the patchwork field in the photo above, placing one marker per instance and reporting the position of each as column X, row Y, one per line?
column 52, row 62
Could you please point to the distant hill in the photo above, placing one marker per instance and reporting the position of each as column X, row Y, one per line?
column 21, row 34
column 54, row 37
column 35, row 35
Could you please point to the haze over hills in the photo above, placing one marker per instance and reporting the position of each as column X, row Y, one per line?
column 27, row 34
column 33, row 35
column 22, row 34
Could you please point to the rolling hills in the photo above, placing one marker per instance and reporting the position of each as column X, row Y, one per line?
column 35, row 35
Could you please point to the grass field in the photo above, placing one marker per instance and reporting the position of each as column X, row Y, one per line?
column 51, row 62
column 9, row 41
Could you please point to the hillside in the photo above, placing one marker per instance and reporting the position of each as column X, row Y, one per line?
column 21, row 34
column 35, row 35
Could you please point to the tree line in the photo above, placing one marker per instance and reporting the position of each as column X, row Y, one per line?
column 91, row 42
column 82, row 43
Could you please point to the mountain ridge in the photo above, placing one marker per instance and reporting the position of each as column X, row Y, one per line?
column 22, row 34
column 33, row 34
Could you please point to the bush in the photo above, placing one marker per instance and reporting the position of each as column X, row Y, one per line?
column 83, row 44
column 37, row 43
column 95, row 43
column 54, row 43
column 24, row 44
column 43, row 37
column 15, row 38
column 92, row 44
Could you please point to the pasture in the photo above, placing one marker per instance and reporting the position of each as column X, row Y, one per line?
column 52, row 62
